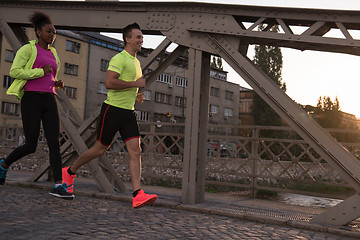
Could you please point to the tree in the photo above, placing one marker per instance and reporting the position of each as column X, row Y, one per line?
column 216, row 63
column 269, row 59
column 327, row 113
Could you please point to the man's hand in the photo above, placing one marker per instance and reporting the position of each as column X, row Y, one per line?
column 47, row 69
column 140, row 97
column 140, row 82
column 59, row 84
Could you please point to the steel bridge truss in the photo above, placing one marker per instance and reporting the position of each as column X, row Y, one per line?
column 205, row 29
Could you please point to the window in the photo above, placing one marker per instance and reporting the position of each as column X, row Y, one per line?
column 7, row 81
column 72, row 46
column 142, row 116
column 110, row 46
column 181, row 82
column 180, row 101
column 10, row 133
column 162, row 98
column 9, row 55
column 217, row 75
column 102, row 88
column 70, row 92
column 214, row 109
column 104, row 65
column 222, row 76
column 229, row 95
column 147, row 95
column 71, row 69
column 228, row 112
column 165, row 78
column 214, row 92
column 10, row 108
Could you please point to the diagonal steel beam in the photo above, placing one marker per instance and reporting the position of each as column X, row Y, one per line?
column 74, row 133
column 154, row 54
column 165, row 64
column 9, row 34
column 325, row 145
column 341, row 214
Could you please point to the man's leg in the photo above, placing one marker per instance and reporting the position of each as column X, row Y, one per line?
column 134, row 149
column 69, row 173
column 95, row 151
column 140, row 198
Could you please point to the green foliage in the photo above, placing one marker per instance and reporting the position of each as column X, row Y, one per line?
column 265, row 194
column 323, row 189
column 269, row 59
column 327, row 113
column 216, row 63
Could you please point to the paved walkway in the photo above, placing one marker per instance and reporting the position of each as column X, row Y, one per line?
column 28, row 212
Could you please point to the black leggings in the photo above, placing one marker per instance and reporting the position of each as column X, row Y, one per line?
column 37, row 107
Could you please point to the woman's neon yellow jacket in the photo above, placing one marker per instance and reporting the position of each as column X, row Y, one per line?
column 22, row 71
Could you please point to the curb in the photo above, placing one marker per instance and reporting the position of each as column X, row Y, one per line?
column 204, row 210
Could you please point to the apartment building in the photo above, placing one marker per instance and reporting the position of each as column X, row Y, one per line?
column 245, row 104
column 73, row 53
column 10, row 106
column 84, row 59
column 165, row 99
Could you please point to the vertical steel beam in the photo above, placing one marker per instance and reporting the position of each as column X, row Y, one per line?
column 325, row 145
column 203, row 126
column 194, row 163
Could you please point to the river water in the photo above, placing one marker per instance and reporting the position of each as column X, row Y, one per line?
column 308, row 201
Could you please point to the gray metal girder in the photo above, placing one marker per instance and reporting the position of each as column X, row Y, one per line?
column 176, row 20
column 334, row 153
column 196, row 130
column 224, row 30
column 342, row 213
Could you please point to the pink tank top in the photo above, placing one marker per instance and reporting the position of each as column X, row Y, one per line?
column 45, row 83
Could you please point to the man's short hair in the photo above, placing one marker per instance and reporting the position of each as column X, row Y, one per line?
column 127, row 30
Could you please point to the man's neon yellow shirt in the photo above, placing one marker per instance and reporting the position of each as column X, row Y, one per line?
column 129, row 69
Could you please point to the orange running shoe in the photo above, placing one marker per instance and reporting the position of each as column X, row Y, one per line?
column 68, row 179
column 143, row 199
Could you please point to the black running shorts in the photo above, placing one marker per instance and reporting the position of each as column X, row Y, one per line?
column 113, row 119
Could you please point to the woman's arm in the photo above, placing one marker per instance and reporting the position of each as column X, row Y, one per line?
column 18, row 70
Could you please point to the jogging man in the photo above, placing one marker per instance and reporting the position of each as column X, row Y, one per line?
column 123, row 79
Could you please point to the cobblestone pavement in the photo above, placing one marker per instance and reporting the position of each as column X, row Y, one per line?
column 28, row 213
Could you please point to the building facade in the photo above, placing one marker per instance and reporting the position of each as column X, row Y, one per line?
column 84, row 60
column 73, row 54
column 245, row 104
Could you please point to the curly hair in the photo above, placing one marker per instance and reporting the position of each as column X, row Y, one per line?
column 38, row 20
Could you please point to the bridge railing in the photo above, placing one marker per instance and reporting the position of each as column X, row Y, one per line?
column 239, row 157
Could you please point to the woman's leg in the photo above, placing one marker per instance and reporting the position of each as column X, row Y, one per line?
column 31, row 114
column 51, row 124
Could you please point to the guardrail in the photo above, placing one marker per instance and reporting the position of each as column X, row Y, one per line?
column 239, row 157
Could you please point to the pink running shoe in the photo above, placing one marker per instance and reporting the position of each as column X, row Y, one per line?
column 68, row 179
column 143, row 199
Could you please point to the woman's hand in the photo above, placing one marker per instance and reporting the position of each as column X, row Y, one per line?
column 140, row 97
column 47, row 69
column 59, row 84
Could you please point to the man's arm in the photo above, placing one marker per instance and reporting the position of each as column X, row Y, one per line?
column 112, row 81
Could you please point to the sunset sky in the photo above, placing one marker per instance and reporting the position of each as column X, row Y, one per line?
column 308, row 74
